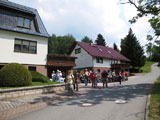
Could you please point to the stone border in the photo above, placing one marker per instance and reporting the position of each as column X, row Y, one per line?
column 147, row 109
column 19, row 92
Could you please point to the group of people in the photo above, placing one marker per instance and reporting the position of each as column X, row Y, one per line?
column 109, row 76
column 72, row 79
column 57, row 76
column 106, row 76
column 93, row 76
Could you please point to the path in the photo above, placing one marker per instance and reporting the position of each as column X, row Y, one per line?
column 134, row 92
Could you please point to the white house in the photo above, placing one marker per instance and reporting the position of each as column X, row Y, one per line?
column 23, row 37
column 95, row 57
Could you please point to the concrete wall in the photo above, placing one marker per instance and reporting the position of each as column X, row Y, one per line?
column 19, row 92
column 7, row 54
column 83, row 59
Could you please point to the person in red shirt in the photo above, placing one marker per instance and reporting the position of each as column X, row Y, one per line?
column 93, row 79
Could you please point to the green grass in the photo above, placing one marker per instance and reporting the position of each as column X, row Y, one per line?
column 154, row 107
column 40, row 83
column 147, row 67
column 34, row 84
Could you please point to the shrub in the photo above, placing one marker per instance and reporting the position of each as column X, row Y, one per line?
column 38, row 77
column 15, row 75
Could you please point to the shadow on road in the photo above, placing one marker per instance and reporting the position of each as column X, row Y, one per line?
column 97, row 95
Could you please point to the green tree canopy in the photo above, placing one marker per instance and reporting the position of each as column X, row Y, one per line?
column 115, row 47
column 145, row 8
column 149, row 50
column 60, row 44
column 87, row 40
column 100, row 40
column 154, row 51
column 131, row 48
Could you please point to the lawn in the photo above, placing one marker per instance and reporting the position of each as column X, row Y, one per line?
column 154, row 107
column 147, row 67
column 34, row 84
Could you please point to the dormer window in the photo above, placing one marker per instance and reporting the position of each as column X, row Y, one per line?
column 109, row 52
column 24, row 22
column 100, row 49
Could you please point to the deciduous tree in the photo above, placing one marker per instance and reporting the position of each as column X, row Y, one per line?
column 60, row 44
column 145, row 8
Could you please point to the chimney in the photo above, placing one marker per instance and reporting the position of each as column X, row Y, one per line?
column 91, row 44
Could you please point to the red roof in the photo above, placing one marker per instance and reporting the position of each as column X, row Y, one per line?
column 102, row 51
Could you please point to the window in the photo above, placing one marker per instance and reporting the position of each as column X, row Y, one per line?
column 25, row 46
column 27, row 23
column 99, row 60
column 24, row 22
column 78, row 50
column 112, row 62
column 98, row 70
column 31, row 68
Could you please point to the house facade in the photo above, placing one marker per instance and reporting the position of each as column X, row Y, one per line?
column 95, row 57
column 23, row 37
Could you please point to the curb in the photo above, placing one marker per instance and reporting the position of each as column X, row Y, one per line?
column 146, row 108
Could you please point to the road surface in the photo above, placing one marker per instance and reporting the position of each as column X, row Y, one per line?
column 134, row 92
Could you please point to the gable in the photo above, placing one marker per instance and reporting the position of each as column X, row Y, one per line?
column 9, row 14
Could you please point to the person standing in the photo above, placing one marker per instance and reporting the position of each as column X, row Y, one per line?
column 76, row 79
column 97, row 79
column 114, row 75
column 120, row 77
column 104, row 78
column 93, row 79
column 109, row 76
column 53, row 76
column 86, row 75
column 69, row 80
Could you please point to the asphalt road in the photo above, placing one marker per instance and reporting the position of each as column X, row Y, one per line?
column 134, row 92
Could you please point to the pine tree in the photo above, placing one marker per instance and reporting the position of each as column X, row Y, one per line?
column 100, row 40
column 115, row 47
column 131, row 48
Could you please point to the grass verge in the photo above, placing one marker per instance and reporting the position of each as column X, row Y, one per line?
column 147, row 67
column 34, row 84
column 154, row 107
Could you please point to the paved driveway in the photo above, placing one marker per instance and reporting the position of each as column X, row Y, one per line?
column 134, row 92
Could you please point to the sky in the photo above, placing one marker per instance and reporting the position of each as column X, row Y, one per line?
column 89, row 18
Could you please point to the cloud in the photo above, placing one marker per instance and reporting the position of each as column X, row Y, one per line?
column 88, row 18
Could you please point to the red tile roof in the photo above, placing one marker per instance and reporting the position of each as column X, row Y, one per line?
column 102, row 51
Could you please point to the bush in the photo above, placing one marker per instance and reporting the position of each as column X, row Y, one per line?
column 15, row 75
column 38, row 77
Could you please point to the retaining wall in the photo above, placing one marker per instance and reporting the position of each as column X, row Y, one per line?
column 19, row 92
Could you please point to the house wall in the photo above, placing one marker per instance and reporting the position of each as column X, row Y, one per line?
column 101, row 66
column 106, row 63
column 7, row 54
column 83, row 59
